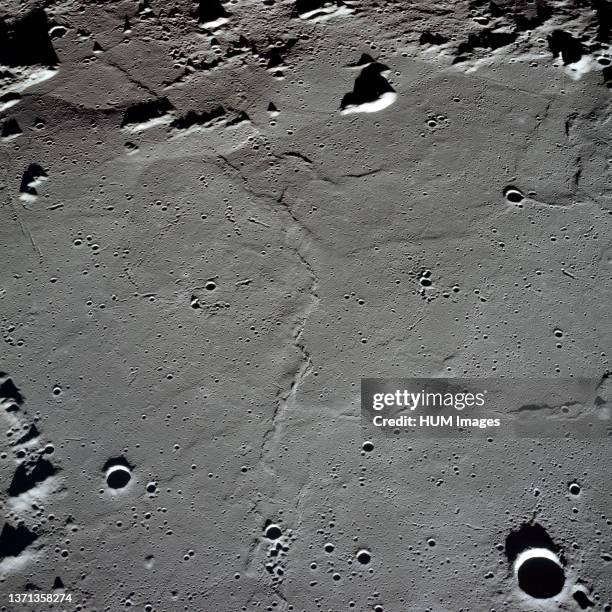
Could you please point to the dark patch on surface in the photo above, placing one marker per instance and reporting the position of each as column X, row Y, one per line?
column 564, row 44
column 276, row 52
column 193, row 118
column 8, row 390
column 57, row 584
column 240, row 46
column 487, row 39
column 14, row 540
column 241, row 117
column 31, row 434
column 27, row 477
column 432, row 38
column 603, row 13
column 9, row 96
column 30, row 586
column 369, row 86
column 11, row 128
column 113, row 461
column 31, row 174
column 146, row 111
column 545, row 407
column 364, row 60
column 25, row 41
column 582, row 599
column 529, row 535
column 211, row 10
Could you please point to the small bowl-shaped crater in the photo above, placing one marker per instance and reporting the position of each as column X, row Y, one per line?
column 574, row 489
column 118, row 476
column 273, row 532
column 363, row 556
column 513, row 195
column 539, row 573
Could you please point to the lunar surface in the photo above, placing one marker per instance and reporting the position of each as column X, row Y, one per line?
column 216, row 219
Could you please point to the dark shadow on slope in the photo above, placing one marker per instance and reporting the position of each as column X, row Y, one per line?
column 26, row 478
column 582, row 599
column 192, row 118
column 530, row 535
column 275, row 54
column 432, row 38
column 10, row 128
column 211, row 10
column 146, row 111
column 370, row 85
column 8, row 390
column 603, row 13
column 14, row 540
column 31, row 174
column 487, row 39
column 25, row 41
column 241, row 117
column 30, row 435
column 58, row 584
column 564, row 44
column 114, row 461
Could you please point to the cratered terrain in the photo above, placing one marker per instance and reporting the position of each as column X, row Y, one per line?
column 215, row 219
